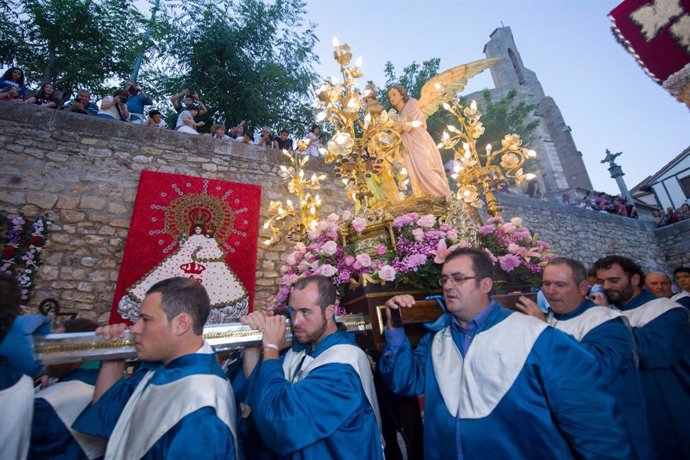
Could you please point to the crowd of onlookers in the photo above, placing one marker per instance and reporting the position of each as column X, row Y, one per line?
column 671, row 216
column 601, row 201
column 128, row 104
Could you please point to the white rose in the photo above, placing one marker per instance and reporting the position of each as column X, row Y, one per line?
column 387, row 273
column 328, row 248
column 327, row 270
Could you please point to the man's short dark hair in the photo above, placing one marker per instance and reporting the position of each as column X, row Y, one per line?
column 629, row 266
column 153, row 113
column 324, row 285
column 579, row 270
column 681, row 270
column 184, row 295
column 481, row 263
column 10, row 301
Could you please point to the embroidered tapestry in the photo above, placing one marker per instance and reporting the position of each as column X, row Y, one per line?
column 198, row 228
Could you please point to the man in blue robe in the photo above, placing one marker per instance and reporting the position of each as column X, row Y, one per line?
column 659, row 285
column 317, row 401
column 178, row 404
column 662, row 334
column 500, row 384
column 18, row 365
column 602, row 331
column 58, row 405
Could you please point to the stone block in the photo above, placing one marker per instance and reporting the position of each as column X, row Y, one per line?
column 42, row 200
column 98, row 152
column 67, row 202
column 116, row 208
column 14, row 198
column 89, row 261
column 92, row 202
column 67, row 215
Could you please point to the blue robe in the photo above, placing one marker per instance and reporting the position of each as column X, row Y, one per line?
column 610, row 340
column 663, row 344
column 18, row 345
column 325, row 415
column 556, row 407
column 50, row 438
column 199, row 435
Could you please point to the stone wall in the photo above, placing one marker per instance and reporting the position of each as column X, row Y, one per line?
column 83, row 172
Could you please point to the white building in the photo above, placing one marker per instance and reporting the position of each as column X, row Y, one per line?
column 669, row 187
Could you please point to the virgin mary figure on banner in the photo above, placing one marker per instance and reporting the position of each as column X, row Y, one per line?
column 204, row 234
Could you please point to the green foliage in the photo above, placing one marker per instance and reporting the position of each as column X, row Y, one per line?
column 71, row 42
column 505, row 116
column 248, row 59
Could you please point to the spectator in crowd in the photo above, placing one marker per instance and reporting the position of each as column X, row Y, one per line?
column 190, row 98
column 314, row 141
column 82, row 104
column 115, row 106
column 14, row 76
column 620, row 207
column 11, row 94
column 136, row 101
column 683, row 212
column 266, row 138
column 659, row 284
column 45, row 97
column 238, row 131
column 218, row 132
column 156, row 120
column 186, row 122
column 670, row 217
column 246, row 138
column 658, row 216
column 284, row 142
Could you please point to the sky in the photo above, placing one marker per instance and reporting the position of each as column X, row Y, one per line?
column 604, row 96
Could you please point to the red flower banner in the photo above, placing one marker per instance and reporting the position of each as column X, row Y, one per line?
column 198, row 228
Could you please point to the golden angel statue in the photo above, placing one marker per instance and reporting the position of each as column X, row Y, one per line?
column 423, row 160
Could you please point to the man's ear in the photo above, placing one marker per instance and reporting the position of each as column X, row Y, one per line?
column 486, row 285
column 330, row 311
column 182, row 323
column 583, row 287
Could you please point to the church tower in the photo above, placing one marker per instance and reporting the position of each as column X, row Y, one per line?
column 561, row 163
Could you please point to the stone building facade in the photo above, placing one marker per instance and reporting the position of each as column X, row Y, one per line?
column 561, row 164
column 83, row 173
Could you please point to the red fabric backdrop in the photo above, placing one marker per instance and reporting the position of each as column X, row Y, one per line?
column 166, row 211
column 659, row 51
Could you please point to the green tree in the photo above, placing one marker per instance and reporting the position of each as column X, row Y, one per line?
column 71, row 42
column 251, row 60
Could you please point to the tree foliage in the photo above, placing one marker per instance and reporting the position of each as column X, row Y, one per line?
column 71, row 42
column 247, row 59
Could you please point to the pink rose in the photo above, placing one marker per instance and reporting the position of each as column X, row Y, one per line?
column 364, row 260
column 359, row 224
column 347, row 215
column 387, row 273
column 427, row 221
column 328, row 248
column 452, row 234
column 380, row 250
column 333, row 217
column 327, row 270
column 349, row 260
column 418, row 234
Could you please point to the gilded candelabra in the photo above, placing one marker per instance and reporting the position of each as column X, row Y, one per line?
column 295, row 221
column 366, row 142
column 482, row 172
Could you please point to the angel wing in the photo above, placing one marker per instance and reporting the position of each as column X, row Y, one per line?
column 444, row 86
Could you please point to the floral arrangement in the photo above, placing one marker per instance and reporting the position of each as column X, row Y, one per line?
column 21, row 253
column 421, row 246
column 519, row 256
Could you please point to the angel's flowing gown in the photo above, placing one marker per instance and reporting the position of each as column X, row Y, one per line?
column 424, row 165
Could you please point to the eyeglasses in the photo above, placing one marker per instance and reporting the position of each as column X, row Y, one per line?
column 456, row 279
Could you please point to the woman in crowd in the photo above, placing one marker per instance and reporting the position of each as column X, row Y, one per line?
column 114, row 106
column 314, row 141
column 14, row 76
column 185, row 120
column 11, row 94
column 45, row 97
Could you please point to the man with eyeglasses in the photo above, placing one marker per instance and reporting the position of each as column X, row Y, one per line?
column 497, row 383
column 317, row 400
